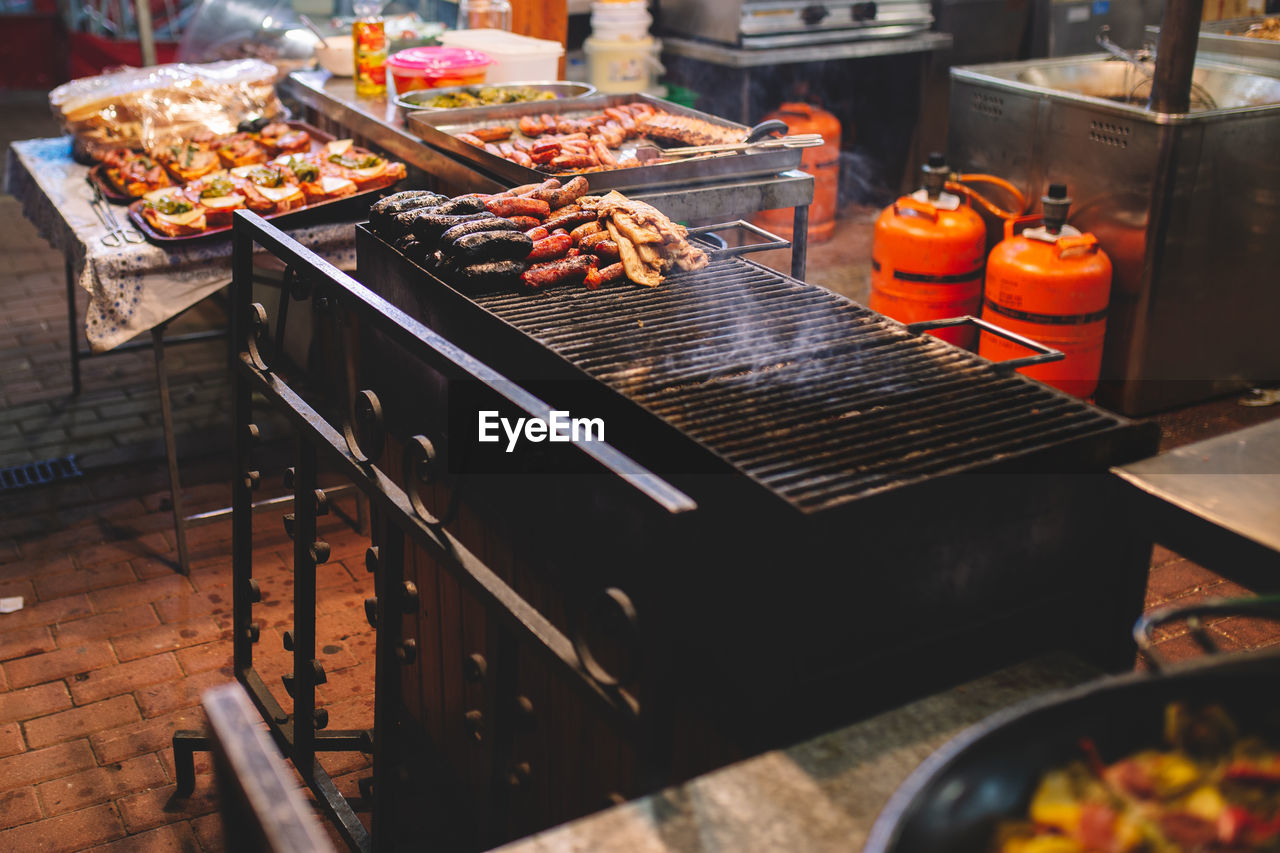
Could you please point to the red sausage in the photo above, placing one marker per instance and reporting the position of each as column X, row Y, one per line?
column 606, row 250
column 569, row 193
column 545, row 145
column 530, row 126
column 522, row 159
column 584, row 229
column 550, row 248
column 544, row 157
column 537, row 233
column 588, row 243
column 491, row 134
column 471, row 139
column 573, row 161
column 565, row 271
column 526, row 222
column 536, row 190
column 518, row 206
column 570, row 220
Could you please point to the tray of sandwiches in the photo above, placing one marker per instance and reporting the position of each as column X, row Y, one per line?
column 290, row 183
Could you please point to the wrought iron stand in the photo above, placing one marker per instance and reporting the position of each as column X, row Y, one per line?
column 400, row 518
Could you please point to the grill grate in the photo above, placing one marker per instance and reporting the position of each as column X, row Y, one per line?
column 815, row 397
column 39, row 473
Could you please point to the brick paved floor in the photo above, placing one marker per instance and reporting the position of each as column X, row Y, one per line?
column 112, row 649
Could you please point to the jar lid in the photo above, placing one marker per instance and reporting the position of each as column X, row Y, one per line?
column 438, row 60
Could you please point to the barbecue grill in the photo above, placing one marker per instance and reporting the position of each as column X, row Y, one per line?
column 878, row 513
column 804, row 513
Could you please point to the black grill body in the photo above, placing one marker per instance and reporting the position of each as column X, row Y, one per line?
column 878, row 514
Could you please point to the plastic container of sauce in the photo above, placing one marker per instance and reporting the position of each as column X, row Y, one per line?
column 436, row 67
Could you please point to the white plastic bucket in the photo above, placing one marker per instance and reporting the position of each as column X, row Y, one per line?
column 622, row 65
column 623, row 21
column 516, row 58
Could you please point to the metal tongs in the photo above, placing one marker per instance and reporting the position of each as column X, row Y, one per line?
column 117, row 235
column 648, row 153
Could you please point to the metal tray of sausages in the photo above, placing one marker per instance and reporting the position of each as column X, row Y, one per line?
column 439, row 129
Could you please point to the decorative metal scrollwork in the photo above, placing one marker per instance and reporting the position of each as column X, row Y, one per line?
column 420, row 469
column 257, row 328
column 609, row 616
column 363, row 429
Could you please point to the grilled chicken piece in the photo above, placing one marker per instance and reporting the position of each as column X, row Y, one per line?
column 649, row 243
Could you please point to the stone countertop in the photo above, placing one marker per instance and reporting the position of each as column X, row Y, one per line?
column 820, row 795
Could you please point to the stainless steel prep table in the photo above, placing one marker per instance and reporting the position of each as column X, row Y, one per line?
column 376, row 121
column 1217, row 502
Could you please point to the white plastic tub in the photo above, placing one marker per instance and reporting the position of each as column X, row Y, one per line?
column 516, row 58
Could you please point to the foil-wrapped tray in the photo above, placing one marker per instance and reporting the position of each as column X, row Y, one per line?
column 439, row 129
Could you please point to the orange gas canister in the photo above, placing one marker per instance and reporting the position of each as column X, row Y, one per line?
column 926, row 257
column 1051, row 284
column 823, row 162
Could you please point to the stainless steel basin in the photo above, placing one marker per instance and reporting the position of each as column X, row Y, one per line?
column 1186, row 204
column 1219, row 88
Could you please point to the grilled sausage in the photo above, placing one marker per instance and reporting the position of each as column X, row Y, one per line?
column 493, row 274
column 592, row 227
column 569, row 193
column 526, row 222
column 545, row 146
column 606, row 250
column 462, row 204
column 471, row 139
column 521, row 159
column 573, row 161
column 571, row 219
column 542, row 158
column 382, row 214
column 531, row 126
column 429, row 224
column 492, row 223
column 588, row 243
column 566, row 271
column 538, row 233
column 536, row 190
column 489, row 246
column 491, row 134
column 518, row 206
column 549, row 248
column 607, row 275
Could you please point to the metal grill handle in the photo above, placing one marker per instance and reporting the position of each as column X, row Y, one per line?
column 1044, row 353
column 774, row 241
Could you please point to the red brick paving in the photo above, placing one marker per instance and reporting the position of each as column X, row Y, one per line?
column 111, row 652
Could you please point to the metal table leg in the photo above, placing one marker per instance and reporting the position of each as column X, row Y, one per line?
column 72, row 328
column 170, row 447
column 800, row 241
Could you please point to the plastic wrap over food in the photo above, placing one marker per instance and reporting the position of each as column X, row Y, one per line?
column 140, row 107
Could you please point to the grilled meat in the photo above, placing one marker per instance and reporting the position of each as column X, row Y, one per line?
column 687, row 130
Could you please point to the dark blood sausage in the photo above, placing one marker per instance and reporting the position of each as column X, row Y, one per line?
column 495, row 274
column 597, row 277
column 462, row 204
column 566, row 271
column 491, row 134
column 428, row 225
column 490, row 246
column 518, row 207
column 569, row 193
column 475, row 226
column 586, row 228
column 382, row 213
column 549, row 248
column 526, row 222
column 605, row 250
column 570, row 220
